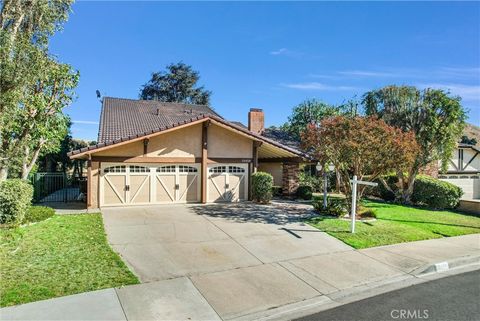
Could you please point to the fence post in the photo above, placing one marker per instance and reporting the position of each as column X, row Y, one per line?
column 64, row 187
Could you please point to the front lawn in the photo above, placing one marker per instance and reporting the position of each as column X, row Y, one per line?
column 396, row 224
column 64, row 255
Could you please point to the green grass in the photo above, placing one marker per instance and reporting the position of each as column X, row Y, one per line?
column 397, row 224
column 64, row 255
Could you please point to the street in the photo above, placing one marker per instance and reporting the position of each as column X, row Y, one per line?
column 454, row 298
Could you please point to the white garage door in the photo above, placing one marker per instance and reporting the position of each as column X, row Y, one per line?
column 149, row 184
column 470, row 184
column 227, row 183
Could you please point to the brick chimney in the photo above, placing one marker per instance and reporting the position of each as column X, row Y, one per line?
column 256, row 120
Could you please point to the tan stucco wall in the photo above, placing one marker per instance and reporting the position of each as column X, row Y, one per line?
column 225, row 143
column 131, row 149
column 185, row 142
column 276, row 169
column 94, row 184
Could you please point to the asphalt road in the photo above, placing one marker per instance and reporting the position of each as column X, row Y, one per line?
column 454, row 298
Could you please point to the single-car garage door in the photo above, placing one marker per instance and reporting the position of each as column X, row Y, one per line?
column 227, row 183
column 149, row 184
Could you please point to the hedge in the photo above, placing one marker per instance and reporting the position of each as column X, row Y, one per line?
column 427, row 191
column 37, row 214
column 305, row 192
column 434, row 193
column 15, row 198
column 262, row 184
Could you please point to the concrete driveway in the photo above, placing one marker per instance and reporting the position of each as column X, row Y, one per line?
column 164, row 242
column 242, row 258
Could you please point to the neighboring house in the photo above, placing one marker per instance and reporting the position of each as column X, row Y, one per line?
column 464, row 170
column 152, row 152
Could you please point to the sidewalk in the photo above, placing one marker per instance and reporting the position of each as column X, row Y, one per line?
column 267, row 291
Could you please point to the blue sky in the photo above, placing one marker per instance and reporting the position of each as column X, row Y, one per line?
column 271, row 55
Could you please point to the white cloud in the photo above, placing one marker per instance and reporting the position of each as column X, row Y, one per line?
column 319, row 86
column 85, row 122
column 367, row 73
column 281, row 51
column 443, row 73
column 467, row 92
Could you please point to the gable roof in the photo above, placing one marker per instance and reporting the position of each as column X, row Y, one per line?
column 122, row 118
column 125, row 120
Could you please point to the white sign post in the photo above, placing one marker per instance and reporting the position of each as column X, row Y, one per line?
column 354, row 182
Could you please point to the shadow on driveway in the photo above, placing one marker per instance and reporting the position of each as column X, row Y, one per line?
column 277, row 212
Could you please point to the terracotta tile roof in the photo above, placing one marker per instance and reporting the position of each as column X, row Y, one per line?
column 125, row 119
column 122, row 118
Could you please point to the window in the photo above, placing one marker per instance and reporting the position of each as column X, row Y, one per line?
column 166, row 169
column 115, row 169
column 235, row 169
column 187, row 169
column 218, row 169
column 139, row 169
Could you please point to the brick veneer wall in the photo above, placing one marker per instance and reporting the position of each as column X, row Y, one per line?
column 290, row 178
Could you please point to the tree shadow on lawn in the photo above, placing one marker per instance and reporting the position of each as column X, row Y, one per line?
column 430, row 222
column 275, row 213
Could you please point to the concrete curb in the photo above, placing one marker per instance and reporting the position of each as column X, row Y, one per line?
column 446, row 265
column 341, row 297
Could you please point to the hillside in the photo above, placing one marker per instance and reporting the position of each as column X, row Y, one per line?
column 472, row 131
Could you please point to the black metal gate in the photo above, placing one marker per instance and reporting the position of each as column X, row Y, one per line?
column 57, row 187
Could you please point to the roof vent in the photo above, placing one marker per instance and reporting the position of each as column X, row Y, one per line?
column 158, row 111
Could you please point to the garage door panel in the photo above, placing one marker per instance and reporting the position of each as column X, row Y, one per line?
column 188, row 188
column 216, row 188
column 140, row 188
column 165, row 188
column 237, row 186
column 114, row 189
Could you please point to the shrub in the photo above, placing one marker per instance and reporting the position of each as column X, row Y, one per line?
column 15, row 198
column 305, row 192
column 367, row 212
column 277, row 191
column 434, row 193
column 306, row 179
column 38, row 213
column 335, row 206
column 262, row 184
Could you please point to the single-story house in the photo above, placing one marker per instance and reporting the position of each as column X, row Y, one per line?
column 464, row 170
column 152, row 152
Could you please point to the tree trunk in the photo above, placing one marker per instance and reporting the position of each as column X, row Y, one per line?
column 408, row 184
column 3, row 173
column 27, row 165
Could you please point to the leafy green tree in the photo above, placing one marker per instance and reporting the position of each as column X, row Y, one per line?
column 34, row 87
column 436, row 118
column 177, row 84
column 310, row 111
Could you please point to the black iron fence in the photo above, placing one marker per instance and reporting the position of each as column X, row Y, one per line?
column 58, row 187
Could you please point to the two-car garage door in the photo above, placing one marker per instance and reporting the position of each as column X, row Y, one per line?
column 141, row 184
column 149, row 184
